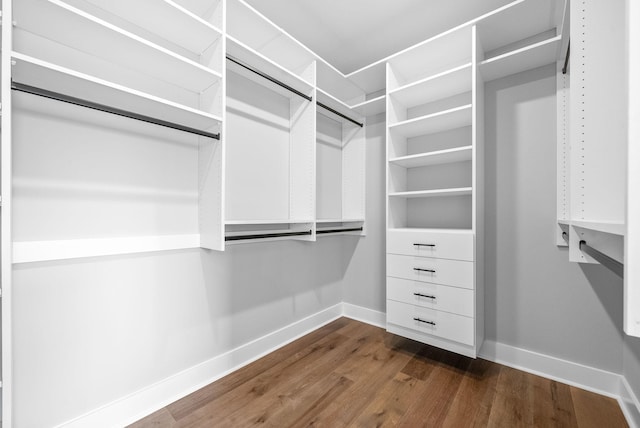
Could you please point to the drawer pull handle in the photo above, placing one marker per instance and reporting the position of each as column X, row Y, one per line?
column 423, row 321
column 424, row 270
column 425, row 245
column 424, row 295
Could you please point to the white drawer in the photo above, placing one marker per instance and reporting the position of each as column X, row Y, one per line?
column 440, row 297
column 446, row 245
column 426, row 269
column 453, row 327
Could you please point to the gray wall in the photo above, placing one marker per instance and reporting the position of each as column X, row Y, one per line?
column 535, row 298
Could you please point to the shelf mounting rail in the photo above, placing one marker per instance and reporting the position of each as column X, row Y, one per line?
column 45, row 93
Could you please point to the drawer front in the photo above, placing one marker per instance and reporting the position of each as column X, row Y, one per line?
column 426, row 269
column 440, row 297
column 442, row 324
column 456, row 246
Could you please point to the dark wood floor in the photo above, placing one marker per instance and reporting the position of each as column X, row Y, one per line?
column 353, row 374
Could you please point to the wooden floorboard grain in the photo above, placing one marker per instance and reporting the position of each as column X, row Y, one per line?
column 351, row 374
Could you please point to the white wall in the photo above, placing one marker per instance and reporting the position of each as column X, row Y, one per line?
column 535, row 298
column 365, row 258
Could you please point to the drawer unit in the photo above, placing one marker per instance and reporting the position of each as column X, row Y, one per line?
column 448, row 326
column 445, row 245
column 427, row 269
column 440, row 297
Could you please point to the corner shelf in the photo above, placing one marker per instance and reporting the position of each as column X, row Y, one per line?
column 100, row 38
column 527, row 58
column 457, row 117
column 440, row 157
column 371, row 107
column 460, row 191
column 35, row 72
column 201, row 34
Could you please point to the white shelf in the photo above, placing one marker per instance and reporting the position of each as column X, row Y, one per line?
column 606, row 227
column 564, row 222
column 527, row 58
column 433, row 123
column 256, row 60
column 263, row 222
column 422, row 229
column 371, row 107
column 340, row 220
column 451, row 49
column 370, row 78
column 460, row 191
column 442, row 85
column 440, row 157
column 38, row 251
column 52, row 19
column 34, row 72
column 154, row 15
column 334, row 82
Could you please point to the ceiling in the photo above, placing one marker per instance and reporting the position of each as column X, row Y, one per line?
column 351, row 34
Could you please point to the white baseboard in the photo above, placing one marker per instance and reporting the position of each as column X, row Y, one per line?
column 148, row 400
column 366, row 315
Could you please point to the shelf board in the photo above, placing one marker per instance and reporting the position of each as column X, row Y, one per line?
column 153, row 16
column 332, row 81
column 38, row 251
column 433, row 123
column 614, row 228
column 527, row 58
column 460, row 191
column 254, row 59
column 451, row 48
column 264, row 222
column 340, row 220
column 370, row 78
column 371, row 107
column 53, row 19
column 564, row 222
column 440, row 157
column 422, row 229
column 517, row 21
column 34, row 72
column 451, row 82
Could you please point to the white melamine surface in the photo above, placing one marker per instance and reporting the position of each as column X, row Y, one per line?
column 445, row 244
column 439, row 157
column 432, row 88
column 456, row 300
column 455, row 273
column 34, row 72
column 329, row 168
column 446, row 325
column 371, row 107
column 433, row 193
column 155, row 16
column 52, row 19
column 527, row 58
column 433, row 123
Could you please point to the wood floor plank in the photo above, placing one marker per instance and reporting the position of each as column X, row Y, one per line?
column 194, row 401
column 432, row 407
column 471, row 405
column 352, row 374
column 593, row 410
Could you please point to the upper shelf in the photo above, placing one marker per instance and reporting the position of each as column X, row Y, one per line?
column 459, row 154
column 459, row 191
column 526, row 58
column 259, row 62
column 154, row 15
column 433, row 123
column 371, row 107
column 442, row 85
column 53, row 20
column 35, row 72
column 600, row 226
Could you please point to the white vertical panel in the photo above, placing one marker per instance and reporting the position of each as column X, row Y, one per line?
column 632, row 241
column 563, row 153
column 6, row 268
column 329, row 168
column 353, row 171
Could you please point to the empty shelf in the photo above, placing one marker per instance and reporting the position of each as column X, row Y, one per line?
column 442, row 85
column 433, row 123
column 459, row 154
column 34, row 72
column 526, row 58
column 371, row 107
column 461, row 191
column 613, row 228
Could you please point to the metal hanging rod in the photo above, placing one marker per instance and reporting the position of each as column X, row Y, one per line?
column 565, row 236
column 326, row 107
column 338, row 230
column 606, row 261
column 269, row 78
column 20, row 87
column 266, row 235
column 566, row 59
